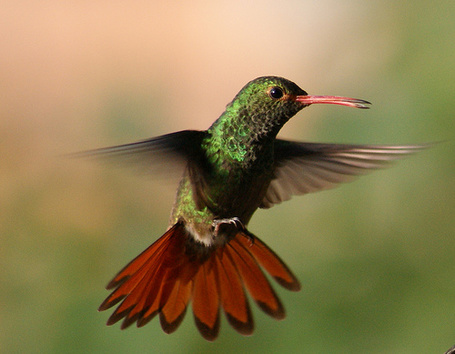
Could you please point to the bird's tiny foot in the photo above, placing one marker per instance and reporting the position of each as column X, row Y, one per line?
column 235, row 221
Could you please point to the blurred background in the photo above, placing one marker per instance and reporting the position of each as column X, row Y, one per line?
column 375, row 257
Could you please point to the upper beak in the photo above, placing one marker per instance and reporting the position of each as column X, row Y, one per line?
column 343, row 101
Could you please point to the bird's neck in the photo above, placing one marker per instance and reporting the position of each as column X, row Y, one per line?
column 236, row 139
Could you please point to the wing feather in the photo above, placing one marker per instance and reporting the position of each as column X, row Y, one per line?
column 165, row 154
column 302, row 168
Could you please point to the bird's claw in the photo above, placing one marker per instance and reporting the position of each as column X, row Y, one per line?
column 216, row 224
column 237, row 223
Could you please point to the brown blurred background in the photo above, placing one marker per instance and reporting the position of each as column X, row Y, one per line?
column 375, row 257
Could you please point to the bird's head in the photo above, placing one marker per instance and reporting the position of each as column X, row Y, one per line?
column 268, row 102
column 265, row 104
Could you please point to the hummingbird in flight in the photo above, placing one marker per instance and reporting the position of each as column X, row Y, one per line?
column 207, row 256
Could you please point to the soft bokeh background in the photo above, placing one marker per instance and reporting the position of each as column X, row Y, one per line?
column 376, row 257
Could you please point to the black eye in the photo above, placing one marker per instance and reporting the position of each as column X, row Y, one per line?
column 276, row 93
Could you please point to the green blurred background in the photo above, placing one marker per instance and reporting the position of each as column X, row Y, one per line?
column 375, row 257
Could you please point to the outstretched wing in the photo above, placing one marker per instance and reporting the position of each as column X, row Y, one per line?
column 302, row 168
column 165, row 153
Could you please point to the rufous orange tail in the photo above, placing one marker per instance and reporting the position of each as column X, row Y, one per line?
column 169, row 274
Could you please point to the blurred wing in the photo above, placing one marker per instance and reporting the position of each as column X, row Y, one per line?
column 166, row 153
column 302, row 168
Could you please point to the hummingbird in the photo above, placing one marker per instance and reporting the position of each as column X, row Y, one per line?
column 207, row 256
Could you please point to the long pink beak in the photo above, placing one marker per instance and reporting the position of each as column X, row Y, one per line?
column 343, row 101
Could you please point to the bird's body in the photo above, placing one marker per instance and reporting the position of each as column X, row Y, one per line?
column 234, row 163
column 207, row 255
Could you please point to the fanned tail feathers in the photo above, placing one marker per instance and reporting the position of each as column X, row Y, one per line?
column 166, row 277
